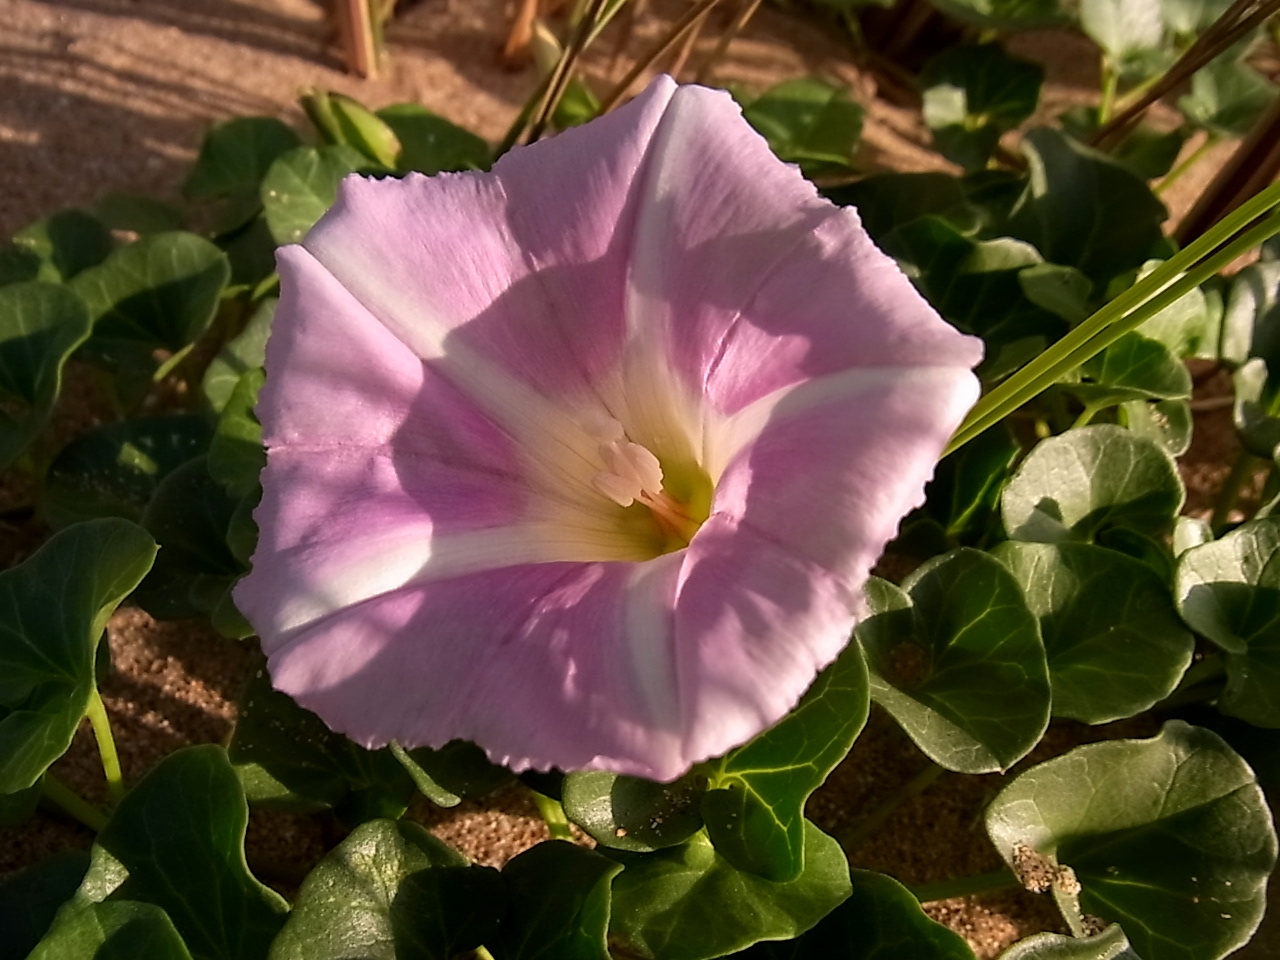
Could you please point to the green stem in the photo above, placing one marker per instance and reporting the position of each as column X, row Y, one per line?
column 1240, row 473
column 1086, row 415
column 97, row 714
column 553, row 816
column 69, row 802
column 1002, row 879
column 873, row 821
column 1146, row 297
column 1110, row 84
column 1196, row 155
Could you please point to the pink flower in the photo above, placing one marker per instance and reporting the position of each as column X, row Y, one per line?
column 587, row 459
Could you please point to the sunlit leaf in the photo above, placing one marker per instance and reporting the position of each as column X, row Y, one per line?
column 809, row 122
column 1169, row 837
column 630, row 813
column 392, row 891
column 115, row 930
column 344, row 121
column 302, row 184
column 1228, row 590
column 1081, row 484
column 55, row 606
column 1227, row 97
column 1110, row 944
column 1132, row 368
column 955, row 656
column 1126, row 30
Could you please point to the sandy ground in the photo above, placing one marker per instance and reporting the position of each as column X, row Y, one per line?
column 115, row 95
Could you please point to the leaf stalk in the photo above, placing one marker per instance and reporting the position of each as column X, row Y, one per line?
column 58, row 794
column 101, row 723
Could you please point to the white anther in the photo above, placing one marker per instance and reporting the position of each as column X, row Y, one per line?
column 630, row 469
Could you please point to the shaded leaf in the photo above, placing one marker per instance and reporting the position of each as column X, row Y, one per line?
column 64, row 244
column 1256, row 409
column 966, row 485
column 179, row 837
column 116, row 930
column 30, row 899
column 459, row 770
column 1170, row 837
column 1007, row 14
column 1079, row 485
column 113, row 470
column 709, row 909
column 1110, row 629
column 236, row 454
column 887, row 201
column 236, row 155
column 1227, row 97
column 558, row 904
column 1132, row 368
column 54, row 606
column 972, row 94
column 754, row 805
column 392, row 891
column 244, row 352
column 955, row 656
column 40, row 325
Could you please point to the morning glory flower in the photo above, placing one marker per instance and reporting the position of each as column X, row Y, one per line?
column 587, row 459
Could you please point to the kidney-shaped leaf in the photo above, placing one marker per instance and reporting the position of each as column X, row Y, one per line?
column 180, row 836
column 392, row 891
column 1075, row 486
column 689, row 903
column 302, row 184
column 809, row 122
column 631, row 813
column 1132, row 368
column 754, row 809
column 63, row 245
column 956, row 657
column 1110, row 630
column 1169, row 837
column 430, row 144
column 40, row 325
column 558, row 904
column 54, row 607
column 1229, row 591
column 236, row 155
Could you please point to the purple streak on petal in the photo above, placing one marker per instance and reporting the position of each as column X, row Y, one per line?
column 536, row 663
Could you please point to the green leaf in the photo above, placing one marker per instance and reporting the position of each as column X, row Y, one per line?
column 236, row 155
column 116, row 930
column 630, row 813
column 1110, row 944
column 1227, row 97
column 430, row 144
column 456, row 771
column 966, row 485
column 707, row 908
column 40, row 325
column 1132, row 368
column 887, row 201
column 288, row 758
column 1082, row 209
column 809, row 122
column 1186, row 18
column 955, row 656
column 1126, row 30
column 392, row 891
column 346, row 122
column 30, row 899
column 236, row 454
column 1251, row 320
column 158, row 294
column 189, row 515
column 137, row 213
column 113, row 470
column 972, row 94
column 1111, row 633
column 880, row 921
column 1256, row 409
column 302, row 184
column 1188, row 327
column 1169, row 837
column 179, row 836
column 55, row 606
column 1080, row 485
column 979, row 287
column 1228, row 590
column 244, row 352
column 1146, row 151
column 558, row 904
column 754, row 805
column 65, row 244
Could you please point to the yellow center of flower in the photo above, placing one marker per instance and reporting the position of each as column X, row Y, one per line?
column 677, row 499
